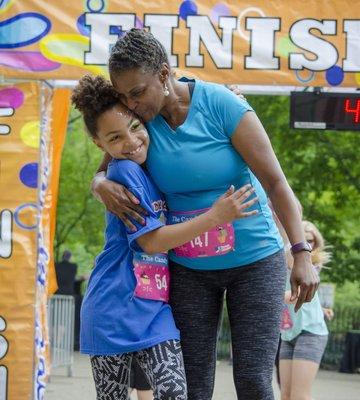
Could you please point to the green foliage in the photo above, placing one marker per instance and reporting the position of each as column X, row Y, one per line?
column 80, row 217
column 348, row 295
column 323, row 169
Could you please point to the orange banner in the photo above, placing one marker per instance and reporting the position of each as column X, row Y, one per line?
column 258, row 42
column 33, row 122
column 19, row 155
column 59, row 121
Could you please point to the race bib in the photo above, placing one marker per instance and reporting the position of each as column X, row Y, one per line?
column 286, row 321
column 152, row 276
column 215, row 242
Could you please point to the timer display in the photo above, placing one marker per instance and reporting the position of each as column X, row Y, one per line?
column 318, row 110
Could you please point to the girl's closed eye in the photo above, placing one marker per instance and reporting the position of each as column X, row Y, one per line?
column 135, row 125
column 114, row 138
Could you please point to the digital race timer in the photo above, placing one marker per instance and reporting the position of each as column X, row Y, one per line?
column 318, row 110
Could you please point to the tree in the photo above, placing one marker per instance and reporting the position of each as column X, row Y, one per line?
column 323, row 169
column 80, row 217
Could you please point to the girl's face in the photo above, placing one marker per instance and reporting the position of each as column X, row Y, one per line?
column 122, row 135
column 142, row 92
column 310, row 238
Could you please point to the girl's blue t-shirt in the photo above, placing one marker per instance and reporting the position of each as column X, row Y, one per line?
column 113, row 320
column 196, row 163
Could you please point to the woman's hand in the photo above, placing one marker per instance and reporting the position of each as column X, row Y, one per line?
column 118, row 200
column 304, row 280
column 231, row 205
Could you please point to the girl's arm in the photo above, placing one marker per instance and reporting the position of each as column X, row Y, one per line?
column 228, row 207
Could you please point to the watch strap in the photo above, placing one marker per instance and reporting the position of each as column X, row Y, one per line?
column 301, row 246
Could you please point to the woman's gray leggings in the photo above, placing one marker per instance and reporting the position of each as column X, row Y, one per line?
column 254, row 297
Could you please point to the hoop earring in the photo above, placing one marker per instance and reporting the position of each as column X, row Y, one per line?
column 166, row 90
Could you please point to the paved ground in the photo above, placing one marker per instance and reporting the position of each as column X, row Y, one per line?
column 328, row 385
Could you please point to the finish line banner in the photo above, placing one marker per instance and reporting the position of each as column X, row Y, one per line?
column 33, row 121
column 257, row 42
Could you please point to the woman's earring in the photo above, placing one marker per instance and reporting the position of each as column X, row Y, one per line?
column 166, row 90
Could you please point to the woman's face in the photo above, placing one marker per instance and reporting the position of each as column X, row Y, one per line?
column 121, row 134
column 142, row 92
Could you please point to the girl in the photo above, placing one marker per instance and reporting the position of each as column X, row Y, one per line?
column 125, row 311
column 304, row 334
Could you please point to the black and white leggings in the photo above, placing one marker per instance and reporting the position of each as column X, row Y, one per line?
column 162, row 364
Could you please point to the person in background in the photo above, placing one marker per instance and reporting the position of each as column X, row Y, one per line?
column 66, row 274
column 303, row 334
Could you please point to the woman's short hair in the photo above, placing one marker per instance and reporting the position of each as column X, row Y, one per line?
column 138, row 48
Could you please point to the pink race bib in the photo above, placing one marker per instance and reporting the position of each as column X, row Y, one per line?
column 152, row 276
column 286, row 321
column 215, row 242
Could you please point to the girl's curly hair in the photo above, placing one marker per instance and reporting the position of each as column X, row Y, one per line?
column 92, row 96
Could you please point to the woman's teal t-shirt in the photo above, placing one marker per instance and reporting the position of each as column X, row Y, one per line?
column 196, row 163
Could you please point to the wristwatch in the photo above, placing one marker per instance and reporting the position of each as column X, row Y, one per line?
column 301, row 246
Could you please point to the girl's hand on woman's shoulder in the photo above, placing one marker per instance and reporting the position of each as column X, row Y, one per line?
column 118, row 200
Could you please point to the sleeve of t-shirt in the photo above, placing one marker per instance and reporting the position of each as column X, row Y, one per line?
column 152, row 222
column 227, row 108
column 136, row 181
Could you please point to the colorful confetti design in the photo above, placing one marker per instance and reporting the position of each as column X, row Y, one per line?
column 23, row 30
column 68, row 49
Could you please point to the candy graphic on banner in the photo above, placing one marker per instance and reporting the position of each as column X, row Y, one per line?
column 30, row 134
column 187, row 8
column 25, row 216
column 285, row 46
column 26, row 61
column 4, row 6
column 82, row 28
column 310, row 76
column 96, row 6
column 11, row 97
column 219, row 10
column 23, row 30
column 29, row 175
column 247, row 12
column 334, row 75
column 5, row 112
column 68, row 49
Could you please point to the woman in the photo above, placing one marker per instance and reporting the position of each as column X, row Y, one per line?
column 202, row 139
column 304, row 334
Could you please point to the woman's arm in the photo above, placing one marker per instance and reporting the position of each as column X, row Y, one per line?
column 252, row 142
column 116, row 197
column 228, row 207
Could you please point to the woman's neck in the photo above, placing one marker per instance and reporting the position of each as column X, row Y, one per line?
column 177, row 104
